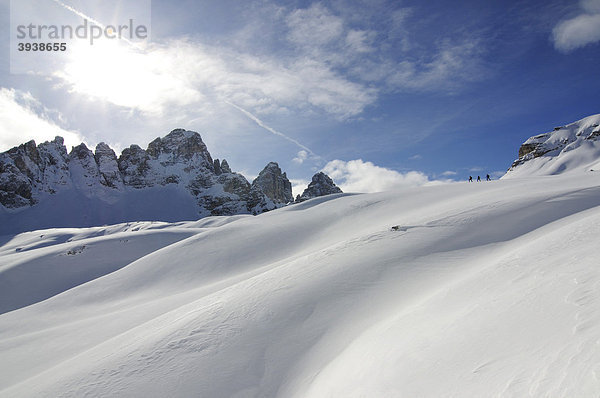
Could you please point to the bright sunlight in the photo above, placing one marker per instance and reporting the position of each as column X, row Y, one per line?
column 118, row 72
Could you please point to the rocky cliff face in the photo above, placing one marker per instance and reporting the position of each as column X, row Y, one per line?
column 320, row 185
column 270, row 190
column 29, row 173
column 576, row 145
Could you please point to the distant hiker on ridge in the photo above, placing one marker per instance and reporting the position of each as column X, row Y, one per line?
column 478, row 178
column 470, row 179
column 487, row 178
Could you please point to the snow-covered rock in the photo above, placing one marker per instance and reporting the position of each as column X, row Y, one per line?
column 28, row 171
column 574, row 147
column 84, row 170
column 108, row 167
column 320, row 185
column 178, row 167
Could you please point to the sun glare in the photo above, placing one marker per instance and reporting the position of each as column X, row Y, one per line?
column 117, row 72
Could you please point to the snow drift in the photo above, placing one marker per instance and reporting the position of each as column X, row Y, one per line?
column 486, row 289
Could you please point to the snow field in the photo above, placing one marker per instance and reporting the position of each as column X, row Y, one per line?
column 486, row 289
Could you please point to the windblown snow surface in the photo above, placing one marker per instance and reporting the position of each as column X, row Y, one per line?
column 485, row 289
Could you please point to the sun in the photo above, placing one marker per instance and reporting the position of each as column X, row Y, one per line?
column 115, row 71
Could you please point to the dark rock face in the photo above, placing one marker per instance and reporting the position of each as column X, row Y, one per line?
column 537, row 146
column 271, row 189
column 320, row 185
column 134, row 168
column 105, row 157
column 180, row 159
column 221, row 167
column 225, row 167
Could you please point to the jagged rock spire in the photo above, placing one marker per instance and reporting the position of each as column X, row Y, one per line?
column 320, row 185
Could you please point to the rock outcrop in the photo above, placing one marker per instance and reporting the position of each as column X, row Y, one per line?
column 320, row 185
column 565, row 148
column 270, row 190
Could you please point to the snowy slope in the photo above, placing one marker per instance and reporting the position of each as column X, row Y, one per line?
column 487, row 289
column 571, row 148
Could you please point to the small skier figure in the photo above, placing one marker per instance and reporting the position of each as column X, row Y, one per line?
column 487, row 178
column 470, row 179
column 478, row 178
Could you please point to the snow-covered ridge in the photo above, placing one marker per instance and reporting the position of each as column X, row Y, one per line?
column 574, row 147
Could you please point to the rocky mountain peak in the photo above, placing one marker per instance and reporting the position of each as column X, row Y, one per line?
column 225, row 166
column 174, row 175
column 320, row 185
column 274, row 184
column 80, row 151
column 108, row 167
column 58, row 140
column 179, row 144
column 221, row 167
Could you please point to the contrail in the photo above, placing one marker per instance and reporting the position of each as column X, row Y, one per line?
column 82, row 15
column 270, row 129
column 92, row 20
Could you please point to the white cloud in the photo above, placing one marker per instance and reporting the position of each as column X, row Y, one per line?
column 579, row 31
column 449, row 66
column 314, row 26
column 497, row 174
column 365, row 55
column 300, row 157
column 23, row 118
column 128, row 77
column 360, row 40
column 449, row 173
column 298, row 186
column 359, row 176
column 184, row 76
column 309, row 62
column 591, row 6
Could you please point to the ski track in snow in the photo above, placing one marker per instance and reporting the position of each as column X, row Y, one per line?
column 485, row 289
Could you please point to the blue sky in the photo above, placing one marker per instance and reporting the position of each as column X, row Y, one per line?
column 379, row 94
